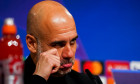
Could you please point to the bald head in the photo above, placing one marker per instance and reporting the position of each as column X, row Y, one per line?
column 47, row 16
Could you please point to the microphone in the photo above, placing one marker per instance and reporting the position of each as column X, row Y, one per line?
column 95, row 79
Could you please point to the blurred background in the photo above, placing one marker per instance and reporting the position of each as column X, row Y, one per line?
column 109, row 32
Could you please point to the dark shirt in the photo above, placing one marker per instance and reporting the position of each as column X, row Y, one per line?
column 71, row 78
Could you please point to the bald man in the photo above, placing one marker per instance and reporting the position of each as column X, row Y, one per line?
column 51, row 39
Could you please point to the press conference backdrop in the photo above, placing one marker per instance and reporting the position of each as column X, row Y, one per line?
column 109, row 32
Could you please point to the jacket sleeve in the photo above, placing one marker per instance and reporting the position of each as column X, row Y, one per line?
column 37, row 80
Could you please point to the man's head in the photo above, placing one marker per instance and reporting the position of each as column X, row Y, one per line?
column 50, row 25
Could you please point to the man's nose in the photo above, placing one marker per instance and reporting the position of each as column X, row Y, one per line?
column 67, row 51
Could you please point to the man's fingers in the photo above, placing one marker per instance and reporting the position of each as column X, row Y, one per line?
column 55, row 64
column 48, row 62
column 50, row 52
column 53, row 51
column 55, row 68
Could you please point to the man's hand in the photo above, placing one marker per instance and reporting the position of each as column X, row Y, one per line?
column 48, row 62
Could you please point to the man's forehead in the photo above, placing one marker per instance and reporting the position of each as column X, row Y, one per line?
column 65, row 36
column 60, row 30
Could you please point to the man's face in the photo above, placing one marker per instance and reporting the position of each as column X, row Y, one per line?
column 63, row 38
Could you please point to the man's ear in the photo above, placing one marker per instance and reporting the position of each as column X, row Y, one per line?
column 31, row 43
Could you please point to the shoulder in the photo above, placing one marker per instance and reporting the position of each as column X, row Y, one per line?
column 85, row 78
column 29, row 68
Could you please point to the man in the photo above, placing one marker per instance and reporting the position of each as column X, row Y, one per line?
column 51, row 39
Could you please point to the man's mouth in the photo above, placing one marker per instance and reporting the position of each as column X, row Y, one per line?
column 68, row 65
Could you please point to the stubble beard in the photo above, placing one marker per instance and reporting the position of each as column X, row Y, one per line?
column 60, row 72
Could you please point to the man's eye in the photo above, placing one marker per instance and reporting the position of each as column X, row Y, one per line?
column 72, row 42
column 61, row 45
column 58, row 45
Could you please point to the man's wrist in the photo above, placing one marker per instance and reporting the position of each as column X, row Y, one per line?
column 41, row 75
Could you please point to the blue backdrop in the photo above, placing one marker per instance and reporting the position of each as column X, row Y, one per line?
column 108, row 29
